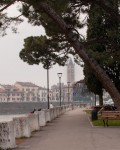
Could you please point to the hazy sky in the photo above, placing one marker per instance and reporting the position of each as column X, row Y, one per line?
column 13, row 69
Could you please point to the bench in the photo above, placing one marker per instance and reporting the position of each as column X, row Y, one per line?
column 109, row 115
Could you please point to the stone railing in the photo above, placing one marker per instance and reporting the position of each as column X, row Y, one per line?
column 19, row 126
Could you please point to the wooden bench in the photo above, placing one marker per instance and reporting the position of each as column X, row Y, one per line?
column 109, row 115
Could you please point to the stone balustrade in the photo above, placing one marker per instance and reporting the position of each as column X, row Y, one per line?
column 19, row 126
column 33, row 120
column 42, row 120
column 7, row 136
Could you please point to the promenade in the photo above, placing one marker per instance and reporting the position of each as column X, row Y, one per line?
column 73, row 131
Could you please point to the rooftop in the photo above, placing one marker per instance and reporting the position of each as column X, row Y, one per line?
column 26, row 84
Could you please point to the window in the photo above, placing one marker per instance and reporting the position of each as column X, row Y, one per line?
column 28, row 90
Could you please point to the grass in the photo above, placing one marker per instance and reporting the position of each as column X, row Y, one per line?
column 88, row 111
column 110, row 122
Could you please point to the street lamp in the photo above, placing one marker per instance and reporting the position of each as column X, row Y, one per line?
column 60, row 75
column 48, row 87
column 68, row 91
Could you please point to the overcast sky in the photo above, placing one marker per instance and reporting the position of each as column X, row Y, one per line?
column 13, row 69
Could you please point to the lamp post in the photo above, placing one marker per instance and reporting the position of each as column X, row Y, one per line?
column 60, row 75
column 48, row 87
column 68, row 91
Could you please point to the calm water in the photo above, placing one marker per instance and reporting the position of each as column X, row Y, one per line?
column 22, row 107
column 9, row 110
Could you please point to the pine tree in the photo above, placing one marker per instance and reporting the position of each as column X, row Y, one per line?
column 104, row 30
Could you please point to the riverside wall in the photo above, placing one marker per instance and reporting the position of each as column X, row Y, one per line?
column 19, row 126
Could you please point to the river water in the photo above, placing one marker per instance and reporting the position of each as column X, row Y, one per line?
column 8, row 110
column 21, row 107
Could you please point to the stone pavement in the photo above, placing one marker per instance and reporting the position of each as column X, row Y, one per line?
column 73, row 131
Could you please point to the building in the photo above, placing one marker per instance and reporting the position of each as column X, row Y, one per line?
column 66, row 93
column 80, row 92
column 56, row 93
column 10, row 93
column 70, row 71
column 30, row 91
column 66, row 90
column 42, row 94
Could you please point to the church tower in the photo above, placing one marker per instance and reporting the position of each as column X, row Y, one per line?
column 70, row 71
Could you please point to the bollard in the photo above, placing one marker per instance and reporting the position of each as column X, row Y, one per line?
column 42, row 120
column 47, row 115
column 21, row 127
column 33, row 122
column 7, row 137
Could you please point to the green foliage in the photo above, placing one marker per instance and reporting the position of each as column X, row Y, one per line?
column 104, row 31
column 93, row 84
column 2, row 2
column 5, row 21
column 39, row 50
column 55, row 47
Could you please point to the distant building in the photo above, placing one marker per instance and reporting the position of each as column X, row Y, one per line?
column 70, row 71
column 10, row 93
column 66, row 90
column 80, row 92
column 30, row 91
column 55, row 93
column 42, row 94
column 66, row 93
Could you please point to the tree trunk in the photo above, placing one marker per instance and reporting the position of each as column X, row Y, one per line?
column 95, row 99
column 80, row 50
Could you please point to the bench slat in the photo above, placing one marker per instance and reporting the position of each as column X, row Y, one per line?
column 113, row 115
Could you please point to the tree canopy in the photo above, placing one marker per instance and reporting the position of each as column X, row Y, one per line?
column 105, row 32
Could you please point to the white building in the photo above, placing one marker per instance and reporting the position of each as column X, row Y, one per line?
column 30, row 91
column 42, row 94
column 66, row 93
column 10, row 93
column 24, row 92
column 55, row 93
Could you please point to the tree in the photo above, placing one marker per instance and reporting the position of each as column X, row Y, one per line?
column 93, row 32
column 93, row 84
column 39, row 50
column 79, row 49
column 104, row 30
column 5, row 21
column 71, row 35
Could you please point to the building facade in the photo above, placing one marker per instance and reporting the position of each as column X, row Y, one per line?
column 42, row 94
column 30, row 91
column 10, row 93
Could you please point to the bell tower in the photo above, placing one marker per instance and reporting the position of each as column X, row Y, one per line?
column 70, row 71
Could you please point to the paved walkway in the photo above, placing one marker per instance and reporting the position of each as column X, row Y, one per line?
column 73, row 131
